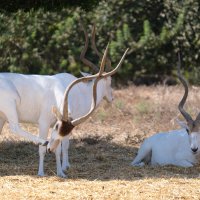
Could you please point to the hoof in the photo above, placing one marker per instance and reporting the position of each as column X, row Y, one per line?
column 62, row 175
column 41, row 174
column 65, row 168
column 141, row 164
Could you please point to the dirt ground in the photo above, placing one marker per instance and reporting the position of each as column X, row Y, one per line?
column 101, row 151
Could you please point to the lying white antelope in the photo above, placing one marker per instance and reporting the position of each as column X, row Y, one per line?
column 176, row 147
column 29, row 98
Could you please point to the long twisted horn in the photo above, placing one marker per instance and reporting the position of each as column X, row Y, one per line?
column 93, row 105
column 187, row 117
column 83, row 52
column 99, row 77
column 66, row 94
column 82, row 79
column 103, row 61
column 108, row 62
column 117, row 67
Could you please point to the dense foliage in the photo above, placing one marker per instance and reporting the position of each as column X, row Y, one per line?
column 14, row 5
column 49, row 41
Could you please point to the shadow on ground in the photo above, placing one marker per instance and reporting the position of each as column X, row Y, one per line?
column 90, row 159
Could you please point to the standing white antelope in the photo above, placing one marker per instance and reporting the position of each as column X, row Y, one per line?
column 29, row 98
column 176, row 147
column 72, row 109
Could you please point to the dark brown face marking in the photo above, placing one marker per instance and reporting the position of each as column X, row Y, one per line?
column 193, row 127
column 65, row 128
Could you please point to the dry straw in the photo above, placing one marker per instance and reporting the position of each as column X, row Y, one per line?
column 101, row 151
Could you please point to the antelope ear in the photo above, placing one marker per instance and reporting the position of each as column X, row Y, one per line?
column 56, row 112
column 182, row 124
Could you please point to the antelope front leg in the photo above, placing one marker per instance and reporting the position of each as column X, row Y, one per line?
column 183, row 163
column 65, row 155
column 43, row 132
column 58, row 162
column 42, row 152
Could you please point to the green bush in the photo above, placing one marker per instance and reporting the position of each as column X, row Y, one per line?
column 14, row 5
column 48, row 41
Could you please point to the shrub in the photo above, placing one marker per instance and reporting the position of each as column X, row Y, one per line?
column 47, row 41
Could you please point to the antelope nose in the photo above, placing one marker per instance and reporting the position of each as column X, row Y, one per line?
column 194, row 149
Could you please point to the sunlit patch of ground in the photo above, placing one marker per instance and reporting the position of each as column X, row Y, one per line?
column 101, row 151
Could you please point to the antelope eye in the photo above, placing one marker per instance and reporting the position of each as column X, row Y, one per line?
column 56, row 127
column 187, row 131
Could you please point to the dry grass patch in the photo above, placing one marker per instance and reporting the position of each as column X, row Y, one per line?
column 101, row 151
